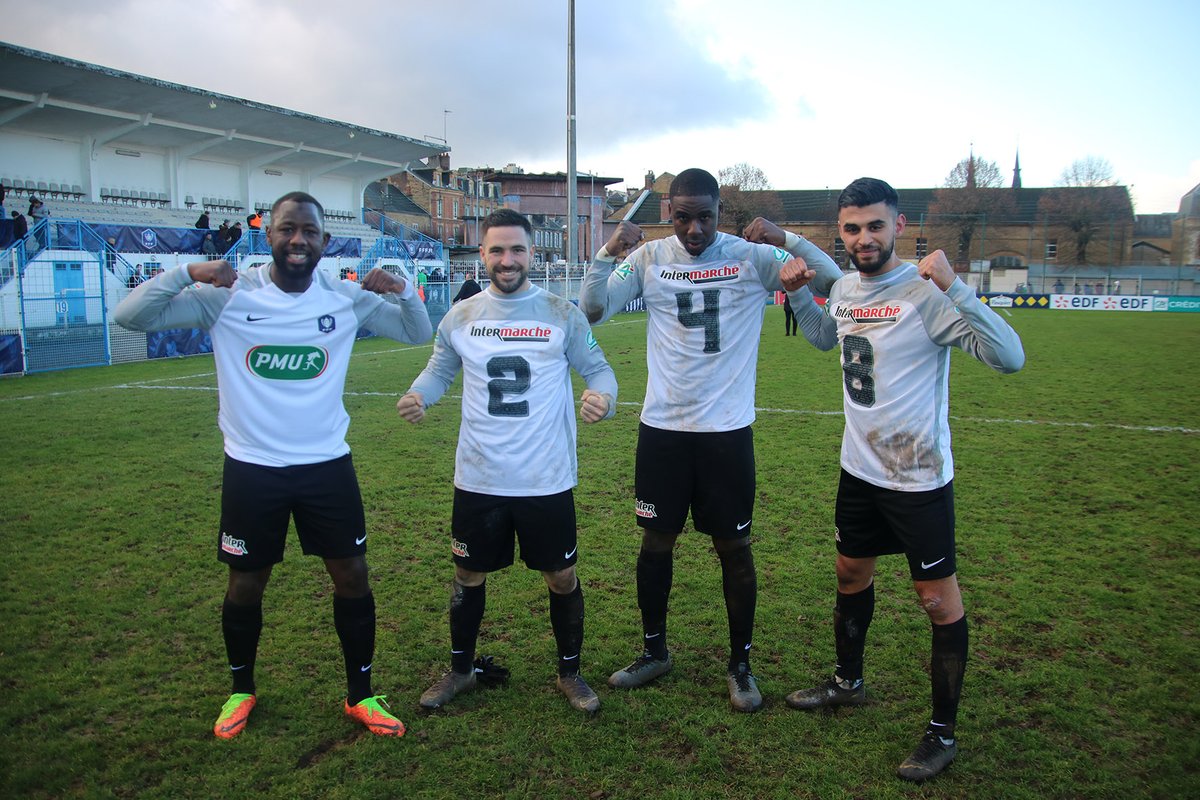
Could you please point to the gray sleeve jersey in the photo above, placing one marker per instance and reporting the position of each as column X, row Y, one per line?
column 402, row 317
column 161, row 303
column 518, row 433
column 895, row 332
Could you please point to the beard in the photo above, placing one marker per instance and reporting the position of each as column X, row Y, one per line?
column 880, row 257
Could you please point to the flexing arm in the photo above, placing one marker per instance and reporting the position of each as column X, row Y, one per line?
column 964, row 322
column 605, row 291
column 388, row 306
column 161, row 304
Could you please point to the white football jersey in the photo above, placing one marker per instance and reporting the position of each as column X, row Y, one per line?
column 281, row 358
column 895, row 332
column 704, row 319
column 516, row 352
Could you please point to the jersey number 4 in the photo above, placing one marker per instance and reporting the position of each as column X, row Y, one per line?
column 858, row 364
column 709, row 319
column 499, row 368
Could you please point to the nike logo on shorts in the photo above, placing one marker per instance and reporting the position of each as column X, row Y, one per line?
column 367, row 667
column 360, row 541
column 744, row 525
column 932, row 564
column 568, row 555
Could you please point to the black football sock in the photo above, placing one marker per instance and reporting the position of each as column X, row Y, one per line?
column 947, row 667
column 354, row 619
column 654, row 573
column 851, row 617
column 566, row 618
column 466, row 615
column 241, row 626
column 740, row 584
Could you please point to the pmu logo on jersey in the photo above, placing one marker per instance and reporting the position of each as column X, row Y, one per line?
column 699, row 277
column 285, row 362
column 869, row 314
column 459, row 548
column 326, row 323
column 149, row 239
column 513, row 333
column 643, row 509
column 236, row 547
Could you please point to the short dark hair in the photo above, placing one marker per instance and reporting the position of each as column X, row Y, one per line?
column 298, row 197
column 694, row 182
column 868, row 192
column 505, row 218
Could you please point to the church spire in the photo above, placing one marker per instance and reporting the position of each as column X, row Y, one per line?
column 971, row 168
column 1017, row 172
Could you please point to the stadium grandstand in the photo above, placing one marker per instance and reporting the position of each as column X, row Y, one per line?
column 126, row 166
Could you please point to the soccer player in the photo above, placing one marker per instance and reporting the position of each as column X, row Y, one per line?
column 516, row 464
column 282, row 337
column 704, row 293
column 896, row 323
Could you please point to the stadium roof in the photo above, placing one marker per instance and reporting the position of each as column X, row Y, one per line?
column 52, row 95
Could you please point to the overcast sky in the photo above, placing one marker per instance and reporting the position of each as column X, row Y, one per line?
column 815, row 94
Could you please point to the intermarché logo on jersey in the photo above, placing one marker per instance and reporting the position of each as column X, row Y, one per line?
column 513, row 333
column 872, row 314
column 287, row 362
column 725, row 272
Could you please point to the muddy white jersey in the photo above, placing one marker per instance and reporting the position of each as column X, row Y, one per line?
column 704, row 318
column 516, row 352
column 281, row 358
column 895, row 332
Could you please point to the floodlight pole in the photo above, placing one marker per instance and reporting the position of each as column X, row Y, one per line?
column 572, row 199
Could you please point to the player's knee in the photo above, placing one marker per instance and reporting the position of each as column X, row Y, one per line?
column 561, row 581
column 658, row 541
column 349, row 576
column 247, row 587
column 469, row 578
column 727, row 546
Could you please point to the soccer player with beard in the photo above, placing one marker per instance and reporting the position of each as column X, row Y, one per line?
column 282, row 337
column 896, row 323
column 704, row 293
column 515, row 466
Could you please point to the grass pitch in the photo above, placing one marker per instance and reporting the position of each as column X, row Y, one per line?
column 1077, row 495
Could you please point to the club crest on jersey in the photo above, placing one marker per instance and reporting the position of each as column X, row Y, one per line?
column 624, row 271
column 643, row 509
column 591, row 341
column 282, row 362
column 703, row 275
column 326, row 323
column 235, row 547
column 870, row 314
column 782, row 255
column 512, row 333
column 459, row 548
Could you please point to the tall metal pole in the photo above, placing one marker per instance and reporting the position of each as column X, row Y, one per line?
column 572, row 198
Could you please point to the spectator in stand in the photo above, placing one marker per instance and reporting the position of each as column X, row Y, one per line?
column 254, row 221
column 469, row 289
column 1058, row 286
column 110, row 255
column 136, row 278
column 38, row 212
column 20, row 226
column 223, row 236
column 3, row 191
column 235, row 233
column 202, row 223
column 208, row 247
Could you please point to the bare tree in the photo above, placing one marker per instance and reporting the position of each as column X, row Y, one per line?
column 1089, row 171
column 1078, row 212
column 745, row 194
column 969, row 197
column 974, row 172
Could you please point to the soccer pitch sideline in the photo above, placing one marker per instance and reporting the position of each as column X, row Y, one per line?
column 1077, row 498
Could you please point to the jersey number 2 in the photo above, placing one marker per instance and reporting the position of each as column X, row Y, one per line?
column 499, row 368
column 858, row 363
column 709, row 318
